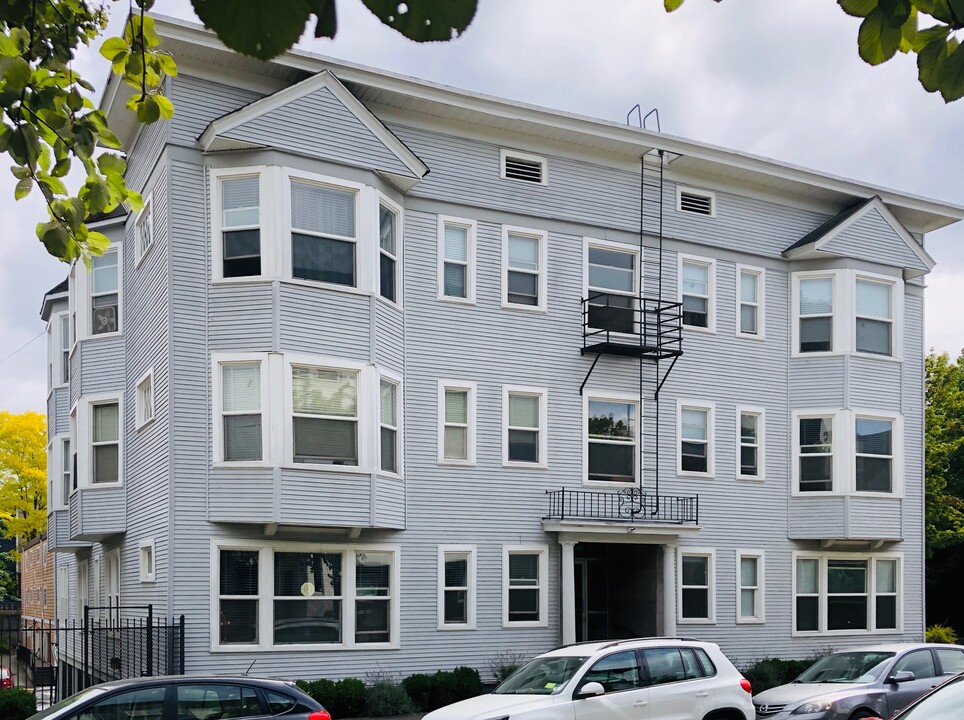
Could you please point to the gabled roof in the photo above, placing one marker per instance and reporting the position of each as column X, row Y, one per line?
column 57, row 292
column 218, row 134
column 819, row 242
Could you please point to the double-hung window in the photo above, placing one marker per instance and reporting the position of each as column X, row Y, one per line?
column 325, row 415
column 525, row 598
column 144, row 229
column 388, row 247
column 524, row 281
column 874, row 438
column 456, row 587
column 612, row 440
column 373, row 597
column 696, row 292
column 105, row 293
column 456, row 280
column 843, row 594
column 874, row 317
column 238, row 591
column 388, row 437
column 457, row 425
column 750, row 317
column 241, row 251
column 241, row 411
column 696, row 600
column 815, row 453
column 750, row 443
column 144, row 400
column 524, row 438
column 308, row 598
column 612, row 277
column 750, row 569
column 105, row 442
column 66, row 471
column 696, row 439
column 323, row 233
column 816, row 308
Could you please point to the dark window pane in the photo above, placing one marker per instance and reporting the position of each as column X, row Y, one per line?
column 321, row 570
column 307, row 621
column 523, row 604
column 873, row 474
column 873, row 336
column 523, row 288
column 386, row 267
column 371, row 621
column 847, row 576
column 242, row 437
column 695, row 311
column 887, row 614
column 846, row 612
column 456, row 606
column 695, row 571
column 524, row 445
column 323, row 259
column 693, row 457
column 104, row 314
column 616, row 672
column 239, row 621
column 816, row 334
column 389, row 459
column 816, row 473
column 239, row 572
column 454, row 279
column 696, row 603
column 279, row 703
column 611, row 463
column 318, row 440
column 456, row 572
column 226, row 702
column 523, row 569
column 807, row 613
column 242, row 253
column 874, row 436
column 105, row 464
column 664, row 665
column 748, row 461
column 615, row 313
column 144, row 704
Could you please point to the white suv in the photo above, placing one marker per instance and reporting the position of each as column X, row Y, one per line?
column 642, row 679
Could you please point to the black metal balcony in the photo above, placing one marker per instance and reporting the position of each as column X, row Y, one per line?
column 631, row 326
column 630, row 505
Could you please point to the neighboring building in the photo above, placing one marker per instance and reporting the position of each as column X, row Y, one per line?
column 368, row 382
column 37, row 601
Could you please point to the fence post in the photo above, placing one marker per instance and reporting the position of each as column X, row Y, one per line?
column 150, row 639
column 84, row 680
column 182, row 645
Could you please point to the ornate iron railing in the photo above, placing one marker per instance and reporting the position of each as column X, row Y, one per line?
column 630, row 505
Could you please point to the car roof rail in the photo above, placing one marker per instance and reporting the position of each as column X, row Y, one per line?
column 616, row 643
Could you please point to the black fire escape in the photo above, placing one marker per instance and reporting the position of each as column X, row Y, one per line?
column 646, row 328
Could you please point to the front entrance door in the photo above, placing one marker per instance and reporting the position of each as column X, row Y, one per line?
column 592, row 599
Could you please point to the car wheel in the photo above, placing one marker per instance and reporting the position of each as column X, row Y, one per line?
column 862, row 715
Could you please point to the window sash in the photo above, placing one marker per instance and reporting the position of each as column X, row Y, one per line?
column 455, row 587
column 388, row 416
column 524, row 589
column 388, row 251
column 750, row 444
column 66, row 463
column 749, row 607
column 695, row 589
column 455, row 424
column 750, row 283
column 64, row 349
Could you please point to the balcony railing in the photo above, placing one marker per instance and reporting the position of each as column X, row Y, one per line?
column 627, row 325
column 630, row 505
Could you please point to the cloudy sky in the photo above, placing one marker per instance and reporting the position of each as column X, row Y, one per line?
column 778, row 79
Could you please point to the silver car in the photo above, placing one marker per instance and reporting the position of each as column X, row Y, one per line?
column 866, row 682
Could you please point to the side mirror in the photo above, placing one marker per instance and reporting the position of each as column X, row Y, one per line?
column 590, row 689
column 902, row 676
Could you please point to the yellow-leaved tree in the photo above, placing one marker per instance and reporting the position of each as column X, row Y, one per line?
column 23, row 475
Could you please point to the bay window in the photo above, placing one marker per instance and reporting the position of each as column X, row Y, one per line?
column 373, row 597
column 241, row 411
column 612, row 438
column 238, row 597
column 816, row 310
column 874, row 454
column 815, row 454
column 323, row 240
column 325, row 415
column 388, row 245
column 105, row 293
column 846, row 593
column 240, row 226
column 388, row 410
column 105, row 442
column 307, row 598
column 875, row 317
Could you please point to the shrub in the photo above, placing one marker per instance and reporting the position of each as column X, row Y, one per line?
column 940, row 634
column 342, row 698
column 771, row 672
column 385, row 699
column 17, row 704
column 430, row 692
column 466, row 683
column 505, row 663
column 419, row 688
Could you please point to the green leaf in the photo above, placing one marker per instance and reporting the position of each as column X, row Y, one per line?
column 54, row 237
column 327, row 24
column 20, row 172
column 23, row 188
column 937, row 9
column 110, row 163
column 930, row 61
column 61, row 167
column 168, row 66
column 255, row 27
column 877, row 40
column 165, row 106
column 425, row 20
column 148, row 110
column 923, row 37
column 857, row 8
column 113, row 47
column 17, row 74
column 151, row 38
column 8, row 48
column 952, row 75
column 97, row 242
column 53, row 184
column 895, row 12
column 95, row 194
column 671, row 5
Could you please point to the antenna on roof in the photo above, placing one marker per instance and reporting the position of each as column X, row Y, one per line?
column 250, row 666
column 641, row 119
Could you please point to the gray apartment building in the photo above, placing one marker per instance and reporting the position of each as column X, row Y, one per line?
column 388, row 373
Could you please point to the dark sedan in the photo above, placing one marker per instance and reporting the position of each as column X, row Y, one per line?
column 188, row 697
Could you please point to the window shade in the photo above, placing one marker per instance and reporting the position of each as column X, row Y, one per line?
column 240, row 201
column 886, row 576
column 239, row 572
column 694, row 424
column 456, row 570
column 748, row 287
column 324, row 210
column 104, row 270
column 105, row 423
column 318, row 391
column 611, row 270
column 456, row 406
column 873, row 299
column 388, row 405
column 696, row 279
column 816, row 434
column 807, row 576
column 523, row 569
column 456, row 443
column 456, row 243
column 816, row 296
column 454, row 279
column 748, row 572
column 523, row 411
column 241, row 387
column 386, row 229
column 523, row 253
column 373, row 573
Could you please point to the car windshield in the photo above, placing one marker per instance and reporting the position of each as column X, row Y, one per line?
column 73, row 700
column 541, row 676
column 942, row 704
column 847, row 667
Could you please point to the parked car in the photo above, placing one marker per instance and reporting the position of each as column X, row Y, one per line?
column 648, row 677
column 187, row 697
column 942, row 703
column 873, row 681
column 6, row 678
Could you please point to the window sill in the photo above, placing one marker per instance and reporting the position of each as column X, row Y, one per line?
column 698, row 475
column 390, row 475
column 321, row 467
column 103, row 336
column 512, row 464
column 528, row 624
column 467, row 302
column 750, row 621
column 102, row 486
column 751, row 478
column 148, row 581
column 532, row 309
column 141, row 426
column 843, row 633
column 444, row 462
column 614, row 485
column 244, row 280
column 238, row 464
column 395, row 305
column 318, row 285
column 700, row 330
column 695, row 621
column 309, row 647
column 822, row 354
column 751, row 336
column 875, row 356
column 144, row 254
column 453, row 627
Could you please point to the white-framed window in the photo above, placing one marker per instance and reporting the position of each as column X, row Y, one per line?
column 239, row 244
column 612, row 275
column 324, row 231
column 697, row 586
column 697, row 292
column 874, row 454
column 112, row 584
column 105, row 441
column 456, row 254
column 750, row 311
column 144, row 230
column 525, row 572
column 696, row 202
column 457, row 420
column 751, row 459
column 83, row 586
column 389, row 250
column 389, row 441
column 814, row 443
column 750, row 586
column 66, row 471
column 612, row 437
column 456, row 587
column 239, row 401
column 297, row 596
column 105, row 293
column 522, row 166
column 63, row 596
column 815, row 301
column 874, row 306
column 324, row 403
column 58, row 350
column 696, row 439
column 524, row 426
column 524, row 268
column 146, row 559
column 846, row 593
column 144, row 400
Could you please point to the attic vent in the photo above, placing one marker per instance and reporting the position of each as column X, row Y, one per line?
column 527, row 168
column 698, row 202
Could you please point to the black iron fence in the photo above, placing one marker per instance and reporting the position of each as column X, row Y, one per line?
column 55, row 660
column 630, row 505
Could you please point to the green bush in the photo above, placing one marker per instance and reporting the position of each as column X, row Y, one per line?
column 385, row 699
column 17, row 704
column 466, row 683
column 771, row 672
column 505, row 663
column 430, row 692
column 342, row 698
column 940, row 634
column 419, row 688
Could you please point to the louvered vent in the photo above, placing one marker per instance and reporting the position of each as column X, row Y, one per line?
column 517, row 168
column 696, row 203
